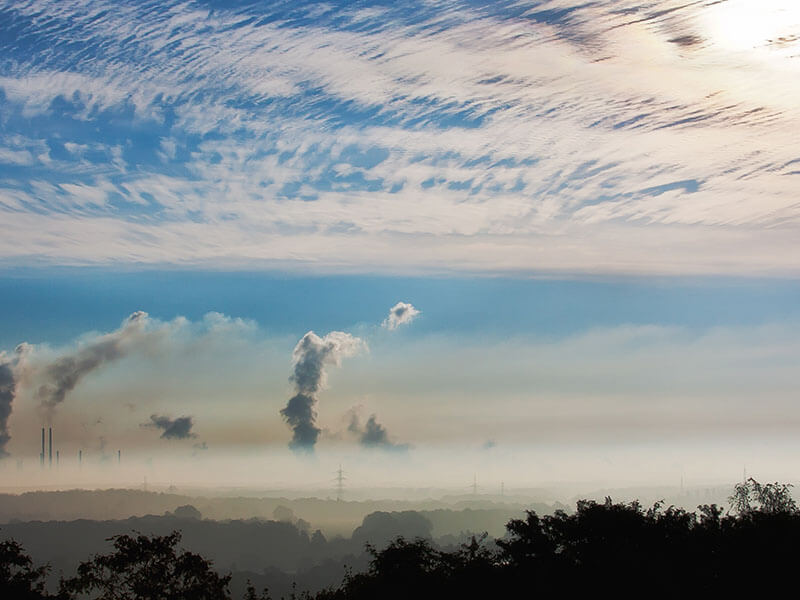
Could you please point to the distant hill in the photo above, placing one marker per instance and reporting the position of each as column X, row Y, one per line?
column 331, row 516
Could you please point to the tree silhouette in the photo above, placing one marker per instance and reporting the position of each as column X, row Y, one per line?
column 772, row 498
column 601, row 548
column 19, row 579
column 251, row 593
column 148, row 568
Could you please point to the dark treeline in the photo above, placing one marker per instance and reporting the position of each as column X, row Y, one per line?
column 277, row 553
column 618, row 548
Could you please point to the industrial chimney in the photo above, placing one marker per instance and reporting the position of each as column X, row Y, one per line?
column 41, row 456
column 50, row 446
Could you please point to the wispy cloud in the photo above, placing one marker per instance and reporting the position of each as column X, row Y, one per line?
column 518, row 136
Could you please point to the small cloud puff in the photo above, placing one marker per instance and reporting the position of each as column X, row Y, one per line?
column 400, row 314
column 372, row 434
column 172, row 429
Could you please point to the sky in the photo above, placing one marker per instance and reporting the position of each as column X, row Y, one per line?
column 587, row 214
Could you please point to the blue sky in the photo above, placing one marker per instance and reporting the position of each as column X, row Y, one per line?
column 593, row 205
column 58, row 305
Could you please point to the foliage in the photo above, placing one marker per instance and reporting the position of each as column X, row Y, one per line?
column 602, row 547
column 408, row 568
column 770, row 498
column 19, row 579
column 608, row 548
column 251, row 594
column 148, row 568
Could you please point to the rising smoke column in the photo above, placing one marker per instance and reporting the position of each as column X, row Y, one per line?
column 310, row 357
column 400, row 314
column 11, row 371
column 8, row 389
column 63, row 375
column 179, row 428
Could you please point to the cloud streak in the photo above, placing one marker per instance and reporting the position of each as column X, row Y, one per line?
column 508, row 137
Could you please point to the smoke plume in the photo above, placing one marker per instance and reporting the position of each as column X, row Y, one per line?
column 310, row 357
column 63, row 375
column 8, row 389
column 11, row 371
column 372, row 434
column 172, row 429
column 400, row 314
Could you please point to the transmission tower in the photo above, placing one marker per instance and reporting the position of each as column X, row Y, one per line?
column 340, row 484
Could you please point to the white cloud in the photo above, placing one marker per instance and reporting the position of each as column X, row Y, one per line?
column 401, row 313
column 15, row 157
column 508, row 143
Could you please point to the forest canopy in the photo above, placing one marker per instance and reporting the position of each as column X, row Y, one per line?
column 620, row 548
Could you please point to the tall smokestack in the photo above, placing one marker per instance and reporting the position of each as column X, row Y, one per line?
column 80, row 457
column 50, row 446
column 41, row 456
column 56, row 457
column 119, row 456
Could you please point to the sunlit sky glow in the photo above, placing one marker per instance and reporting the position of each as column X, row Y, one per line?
column 594, row 207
